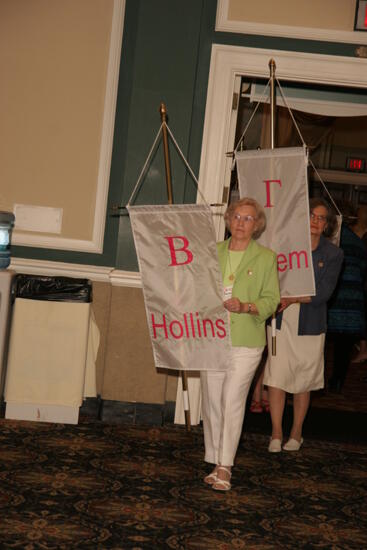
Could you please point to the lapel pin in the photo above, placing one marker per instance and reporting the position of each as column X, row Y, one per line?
column 321, row 264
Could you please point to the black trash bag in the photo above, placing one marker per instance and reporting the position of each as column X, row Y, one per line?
column 52, row 289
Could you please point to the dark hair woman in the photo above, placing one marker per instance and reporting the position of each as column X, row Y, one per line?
column 298, row 366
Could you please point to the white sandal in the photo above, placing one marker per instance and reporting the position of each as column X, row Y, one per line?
column 212, row 477
column 222, row 484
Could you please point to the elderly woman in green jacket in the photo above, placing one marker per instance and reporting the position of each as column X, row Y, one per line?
column 251, row 295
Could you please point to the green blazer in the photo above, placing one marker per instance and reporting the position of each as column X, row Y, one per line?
column 256, row 282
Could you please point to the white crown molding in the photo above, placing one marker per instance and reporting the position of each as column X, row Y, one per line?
column 229, row 62
column 330, row 108
column 22, row 238
column 95, row 245
column 60, row 269
column 108, row 127
column 131, row 279
column 340, row 176
column 102, row 274
column 223, row 24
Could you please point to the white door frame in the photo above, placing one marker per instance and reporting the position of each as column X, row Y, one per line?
column 229, row 62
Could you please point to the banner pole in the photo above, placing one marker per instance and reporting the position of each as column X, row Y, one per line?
column 272, row 68
column 167, row 165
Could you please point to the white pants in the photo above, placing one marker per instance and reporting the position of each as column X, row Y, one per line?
column 224, row 395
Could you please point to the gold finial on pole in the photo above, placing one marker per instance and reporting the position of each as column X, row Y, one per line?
column 167, row 164
column 272, row 68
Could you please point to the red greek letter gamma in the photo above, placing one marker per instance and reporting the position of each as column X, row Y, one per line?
column 268, row 200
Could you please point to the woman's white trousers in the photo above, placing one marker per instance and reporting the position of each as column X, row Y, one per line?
column 224, row 395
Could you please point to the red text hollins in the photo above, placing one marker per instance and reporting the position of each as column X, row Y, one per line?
column 189, row 326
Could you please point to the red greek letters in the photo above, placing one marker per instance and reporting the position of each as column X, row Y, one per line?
column 268, row 199
column 181, row 248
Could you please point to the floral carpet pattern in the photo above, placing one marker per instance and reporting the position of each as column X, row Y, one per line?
column 97, row 486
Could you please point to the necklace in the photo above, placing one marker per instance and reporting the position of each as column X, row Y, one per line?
column 233, row 273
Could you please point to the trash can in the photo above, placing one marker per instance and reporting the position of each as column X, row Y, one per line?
column 48, row 348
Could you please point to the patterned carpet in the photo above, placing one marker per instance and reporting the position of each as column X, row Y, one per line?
column 97, row 486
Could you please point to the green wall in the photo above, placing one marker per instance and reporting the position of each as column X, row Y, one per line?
column 165, row 70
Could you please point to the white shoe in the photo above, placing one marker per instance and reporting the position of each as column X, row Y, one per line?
column 211, row 478
column 293, row 445
column 275, row 446
column 223, row 484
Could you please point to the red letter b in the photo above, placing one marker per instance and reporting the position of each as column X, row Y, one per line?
column 184, row 249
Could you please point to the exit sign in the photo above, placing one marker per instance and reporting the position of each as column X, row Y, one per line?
column 360, row 22
column 355, row 164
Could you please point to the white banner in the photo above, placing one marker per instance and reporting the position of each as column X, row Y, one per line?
column 182, row 286
column 277, row 179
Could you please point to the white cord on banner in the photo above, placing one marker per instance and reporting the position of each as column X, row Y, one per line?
column 148, row 159
column 145, row 165
column 252, row 116
column 290, row 112
column 305, row 145
column 186, row 163
column 326, row 189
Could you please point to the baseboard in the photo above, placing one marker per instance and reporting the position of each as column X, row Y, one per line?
column 91, row 408
column 119, row 412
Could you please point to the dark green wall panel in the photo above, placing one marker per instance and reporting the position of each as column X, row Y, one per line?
column 166, row 58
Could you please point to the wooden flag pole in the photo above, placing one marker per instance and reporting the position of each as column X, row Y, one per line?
column 167, row 166
column 272, row 67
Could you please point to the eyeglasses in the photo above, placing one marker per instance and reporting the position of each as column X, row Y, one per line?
column 315, row 218
column 246, row 219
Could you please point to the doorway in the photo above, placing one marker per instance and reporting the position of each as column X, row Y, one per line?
column 332, row 122
column 228, row 66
